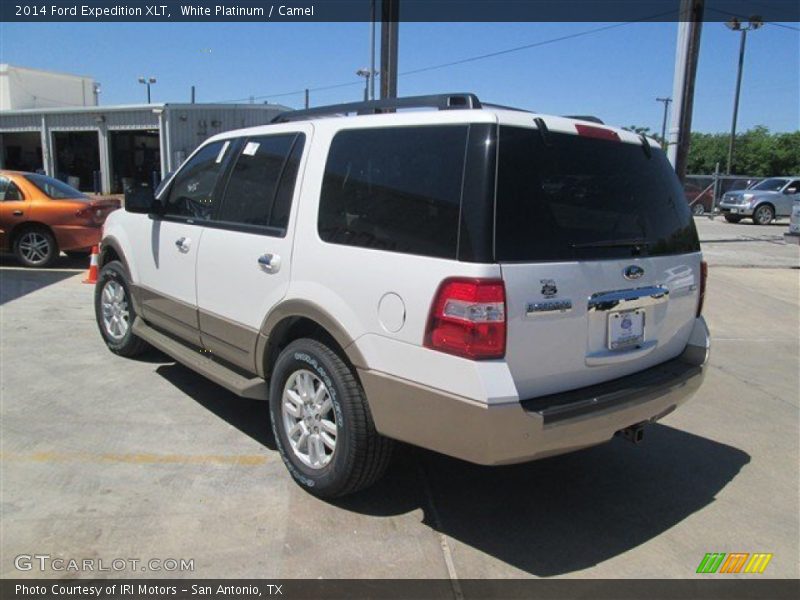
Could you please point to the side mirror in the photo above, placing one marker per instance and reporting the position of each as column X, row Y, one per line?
column 140, row 199
column 791, row 190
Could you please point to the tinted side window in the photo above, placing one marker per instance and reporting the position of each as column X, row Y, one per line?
column 395, row 189
column 279, row 217
column 254, row 181
column 191, row 194
column 9, row 190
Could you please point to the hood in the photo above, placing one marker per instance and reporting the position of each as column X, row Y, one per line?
column 752, row 193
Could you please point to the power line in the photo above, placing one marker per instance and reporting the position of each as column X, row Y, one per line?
column 465, row 60
column 773, row 23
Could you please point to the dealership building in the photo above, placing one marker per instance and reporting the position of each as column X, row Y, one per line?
column 51, row 123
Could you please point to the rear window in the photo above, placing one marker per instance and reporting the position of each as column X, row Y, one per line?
column 567, row 197
column 395, row 189
column 55, row 189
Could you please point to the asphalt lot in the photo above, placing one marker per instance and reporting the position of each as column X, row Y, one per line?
column 103, row 457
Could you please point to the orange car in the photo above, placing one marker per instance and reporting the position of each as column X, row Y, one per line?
column 41, row 216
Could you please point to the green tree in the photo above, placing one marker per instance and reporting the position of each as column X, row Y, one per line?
column 757, row 152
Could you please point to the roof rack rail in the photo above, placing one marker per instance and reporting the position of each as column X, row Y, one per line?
column 504, row 107
column 588, row 118
column 439, row 101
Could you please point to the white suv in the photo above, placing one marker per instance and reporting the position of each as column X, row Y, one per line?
column 486, row 282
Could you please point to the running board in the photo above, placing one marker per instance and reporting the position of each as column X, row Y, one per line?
column 255, row 388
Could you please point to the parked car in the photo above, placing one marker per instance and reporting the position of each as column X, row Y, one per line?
column 793, row 235
column 700, row 199
column 40, row 216
column 488, row 283
column 763, row 202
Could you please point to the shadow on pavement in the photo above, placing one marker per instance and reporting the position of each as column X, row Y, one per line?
column 17, row 281
column 248, row 416
column 561, row 514
column 549, row 517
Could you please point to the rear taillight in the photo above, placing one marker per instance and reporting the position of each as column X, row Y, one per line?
column 703, row 278
column 468, row 318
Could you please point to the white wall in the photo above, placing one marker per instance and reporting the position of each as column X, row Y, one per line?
column 22, row 88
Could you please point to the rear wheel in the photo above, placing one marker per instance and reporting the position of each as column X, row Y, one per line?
column 732, row 218
column 36, row 247
column 697, row 209
column 115, row 312
column 763, row 215
column 322, row 424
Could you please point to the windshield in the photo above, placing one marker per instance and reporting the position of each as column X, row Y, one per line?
column 770, row 185
column 568, row 197
column 55, row 189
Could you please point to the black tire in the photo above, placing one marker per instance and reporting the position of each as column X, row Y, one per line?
column 127, row 344
column 763, row 214
column 732, row 218
column 35, row 247
column 361, row 454
column 698, row 210
column 78, row 254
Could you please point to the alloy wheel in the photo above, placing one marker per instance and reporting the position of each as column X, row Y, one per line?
column 114, row 305
column 309, row 419
column 35, row 247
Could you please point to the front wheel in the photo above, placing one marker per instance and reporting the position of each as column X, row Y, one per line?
column 698, row 210
column 763, row 215
column 115, row 312
column 322, row 424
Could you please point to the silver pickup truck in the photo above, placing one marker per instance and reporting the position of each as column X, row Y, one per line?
column 772, row 198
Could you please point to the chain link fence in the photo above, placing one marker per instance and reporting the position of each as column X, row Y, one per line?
column 703, row 192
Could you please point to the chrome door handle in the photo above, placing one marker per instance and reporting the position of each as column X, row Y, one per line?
column 271, row 263
column 183, row 244
column 17, row 213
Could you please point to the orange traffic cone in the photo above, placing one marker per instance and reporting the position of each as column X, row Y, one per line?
column 91, row 276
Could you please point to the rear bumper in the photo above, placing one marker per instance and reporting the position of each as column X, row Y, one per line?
column 522, row 431
column 77, row 237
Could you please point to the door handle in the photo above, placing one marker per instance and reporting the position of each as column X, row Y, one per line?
column 183, row 244
column 271, row 263
column 17, row 213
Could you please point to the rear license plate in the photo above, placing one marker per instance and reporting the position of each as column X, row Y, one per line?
column 625, row 329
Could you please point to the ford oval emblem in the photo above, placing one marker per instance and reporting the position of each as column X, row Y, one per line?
column 633, row 272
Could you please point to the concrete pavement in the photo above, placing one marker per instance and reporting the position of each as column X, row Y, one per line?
column 103, row 457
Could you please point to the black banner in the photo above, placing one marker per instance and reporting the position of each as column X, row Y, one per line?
column 107, row 11
column 714, row 587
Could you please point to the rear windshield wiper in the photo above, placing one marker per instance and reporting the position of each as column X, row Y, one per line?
column 614, row 244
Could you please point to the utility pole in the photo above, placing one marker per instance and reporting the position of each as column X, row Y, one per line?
column 686, row 55
column 306, row 97
column 666, row 102
column 372, row 72
column 736, row 25
column 390, row 15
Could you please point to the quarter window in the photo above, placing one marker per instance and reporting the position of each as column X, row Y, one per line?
column 9, row 190
column 395, row 189
column 191, row 194
column 261, row 183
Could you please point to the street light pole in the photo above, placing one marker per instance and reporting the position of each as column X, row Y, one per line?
column 666, row 102
column 736, row 25
column 366, row 75
column 148, row 81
